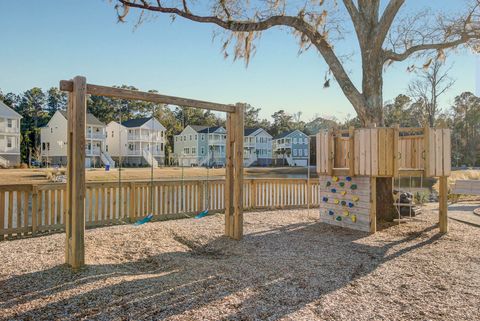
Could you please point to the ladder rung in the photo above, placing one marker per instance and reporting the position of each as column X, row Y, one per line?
column 404, row 204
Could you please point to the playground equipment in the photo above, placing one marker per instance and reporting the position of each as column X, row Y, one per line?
column 78, row 89
column 350, row 161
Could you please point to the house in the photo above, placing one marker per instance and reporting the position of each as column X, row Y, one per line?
column 200, row 146
column 9, row 136
column 257, row 147
column 291, row 148
column 138, row 142
column 53, row 139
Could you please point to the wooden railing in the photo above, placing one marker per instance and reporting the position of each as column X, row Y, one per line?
column 35, row 209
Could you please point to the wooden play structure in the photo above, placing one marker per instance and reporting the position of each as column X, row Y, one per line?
column 350, row 161
column 78, row 89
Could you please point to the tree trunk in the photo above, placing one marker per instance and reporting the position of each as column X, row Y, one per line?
column 385, row 208
column 372, row 84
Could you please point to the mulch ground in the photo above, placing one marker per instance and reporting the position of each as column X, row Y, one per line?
column 287, row 267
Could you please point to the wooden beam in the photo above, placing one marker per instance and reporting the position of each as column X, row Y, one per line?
column 442, row 206
column 351, row 151
column 75, row 220
column 67, row 85
column 238, row 179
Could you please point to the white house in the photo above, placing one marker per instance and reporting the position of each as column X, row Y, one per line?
column 257, row 147
column 291, row 148
column 139, row 141
column 54, row 141
column 200, row 146
column 9, row 136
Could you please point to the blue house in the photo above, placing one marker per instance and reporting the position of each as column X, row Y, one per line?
column 291, row 148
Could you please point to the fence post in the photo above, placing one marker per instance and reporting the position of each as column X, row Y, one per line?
column 131, row 210
column 253, row 194
column 35, row 209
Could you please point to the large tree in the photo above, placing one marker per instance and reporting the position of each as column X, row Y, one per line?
column 384, row 34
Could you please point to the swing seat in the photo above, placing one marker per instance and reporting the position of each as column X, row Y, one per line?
column 144, row 220
column 202, row 214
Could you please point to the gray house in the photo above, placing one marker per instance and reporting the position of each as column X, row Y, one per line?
column 291, row 148
column 200, row 146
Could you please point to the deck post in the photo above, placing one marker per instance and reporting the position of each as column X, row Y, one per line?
column 442, row 206
column 75, row 218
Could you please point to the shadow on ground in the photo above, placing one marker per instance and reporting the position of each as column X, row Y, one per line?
column 268, row 275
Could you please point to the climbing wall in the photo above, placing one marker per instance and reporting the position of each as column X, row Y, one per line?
column 345, row 201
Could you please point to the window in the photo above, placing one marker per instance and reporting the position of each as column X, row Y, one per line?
column 48, row 146
column 194, row 150
column 203, row 150
column 106, row 148
column 203, row 137
column 294, row 152
column 43, row 146
column 196, row 136
column 306, row 140
column 9, row 123
column 305, row 152
column 295, row 140
column 161, row 147
column 186, row 150
column 190, row 137
column 176, row 138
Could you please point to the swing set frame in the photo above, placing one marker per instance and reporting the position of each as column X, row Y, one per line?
column 77, row 90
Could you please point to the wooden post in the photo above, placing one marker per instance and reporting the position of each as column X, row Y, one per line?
column 351, row 151
column 238, row 178
column 396, row 159
column 229, row 174
column 75, row 223
column 442, row 206
column 331, row 152
column 373, row 205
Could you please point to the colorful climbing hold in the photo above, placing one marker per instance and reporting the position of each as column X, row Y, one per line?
column 343, row 203
column 328, row 183
column 333, row 190
column 338, row 218
column 330, row 212
column 336, row 201
column 325, row 199
column 355, row 198
column 342, row 184
column 346, row 213
column 353, row 186
column 353, row 218
column 335, row 178
column 350, row 204
column 348, row 178
column 343, row 192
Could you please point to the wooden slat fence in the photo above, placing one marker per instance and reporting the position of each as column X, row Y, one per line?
column 34, row 209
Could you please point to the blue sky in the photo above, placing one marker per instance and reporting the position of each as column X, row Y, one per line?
column 45, row 41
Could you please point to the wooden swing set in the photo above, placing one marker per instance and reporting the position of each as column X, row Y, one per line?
column 78, row 89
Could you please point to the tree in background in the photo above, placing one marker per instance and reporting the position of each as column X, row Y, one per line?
column 56, row 100
column 31, row 106
column 465, row 123
column 401, row 111
column 433, row 81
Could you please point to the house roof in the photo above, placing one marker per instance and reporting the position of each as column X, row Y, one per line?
column 8, row 112
column 205, row 129
column 91, row 120
column 285, row 134
column 136, row 122
column 249, row 131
